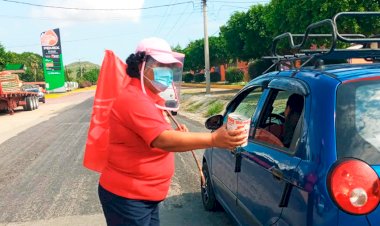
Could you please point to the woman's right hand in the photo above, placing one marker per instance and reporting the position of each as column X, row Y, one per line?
column 228, row 139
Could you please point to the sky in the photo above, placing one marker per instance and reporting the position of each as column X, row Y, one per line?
column 89, row 27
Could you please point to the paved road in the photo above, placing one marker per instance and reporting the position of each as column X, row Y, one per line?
column 42, row 181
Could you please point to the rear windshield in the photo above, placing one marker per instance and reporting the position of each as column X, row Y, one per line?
column 358, row 121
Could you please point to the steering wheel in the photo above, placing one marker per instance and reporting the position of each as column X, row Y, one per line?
column 274, row 119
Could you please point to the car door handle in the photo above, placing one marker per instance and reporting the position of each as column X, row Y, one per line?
column 277, row 174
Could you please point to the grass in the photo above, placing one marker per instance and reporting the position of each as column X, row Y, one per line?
column 215, row 108
column 193, row 107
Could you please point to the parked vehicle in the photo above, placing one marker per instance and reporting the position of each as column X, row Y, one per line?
column 12, row 96
column 40, row 94
column 327, row 172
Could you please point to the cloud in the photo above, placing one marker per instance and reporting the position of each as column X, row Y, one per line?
column 69, row 16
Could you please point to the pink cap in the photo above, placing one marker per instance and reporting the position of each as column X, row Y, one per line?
column 159, row 49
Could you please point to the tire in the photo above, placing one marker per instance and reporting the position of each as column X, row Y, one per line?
column 37, row 102
column 33, row 103
column 29, row 104
column 208, row 196
column 43, row 100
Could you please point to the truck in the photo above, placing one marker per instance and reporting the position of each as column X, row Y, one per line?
column 12, row 94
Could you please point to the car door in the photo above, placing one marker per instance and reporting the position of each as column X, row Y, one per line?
column 223, row 161
column 267, row 166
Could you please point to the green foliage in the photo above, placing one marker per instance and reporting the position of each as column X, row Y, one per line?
column 32, row 63
column 295, row 15
column 91, row 75
column 214, row 108
column 215, row 76
column 234, row 74
column 73, row 70
column 3, row 57
column 188, row 77
column 195, row 59
column 257, row 67
column 200, row 77
column 193, row 107
column 247, row 35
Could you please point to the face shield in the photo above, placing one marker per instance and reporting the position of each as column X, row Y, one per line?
column 163, row 70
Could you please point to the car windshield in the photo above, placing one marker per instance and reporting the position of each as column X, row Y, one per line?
column 358, row 121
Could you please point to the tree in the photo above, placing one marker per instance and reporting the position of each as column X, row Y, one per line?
column 233, row 34
column 194, row 55
column 32, row 63
column 195, row 59
column 3, row 57
column 91, row 75
column 218, row 52
column 68, row 72
column 247, row 35
column 295, row 15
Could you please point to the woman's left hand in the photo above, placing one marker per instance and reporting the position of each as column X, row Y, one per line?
column 182, row 128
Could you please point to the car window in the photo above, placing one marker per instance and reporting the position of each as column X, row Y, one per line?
column 358, row 121
column 279, row 120
column 248, row 105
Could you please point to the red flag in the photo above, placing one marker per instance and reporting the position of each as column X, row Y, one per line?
column 112, row 78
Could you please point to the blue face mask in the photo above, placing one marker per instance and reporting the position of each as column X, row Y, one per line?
column 163, row 78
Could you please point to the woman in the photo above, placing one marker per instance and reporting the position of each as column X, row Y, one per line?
column 141, row 161
column 293, row 111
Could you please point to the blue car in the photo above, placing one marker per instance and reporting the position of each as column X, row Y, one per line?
column 313, row 152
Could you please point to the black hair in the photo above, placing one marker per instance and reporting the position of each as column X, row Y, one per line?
column 295, row 102
column 133, row 62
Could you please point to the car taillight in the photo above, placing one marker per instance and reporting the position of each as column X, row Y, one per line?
column 354, row 186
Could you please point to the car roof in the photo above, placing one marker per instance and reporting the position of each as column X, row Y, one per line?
column 346, row 72
column 341, row 72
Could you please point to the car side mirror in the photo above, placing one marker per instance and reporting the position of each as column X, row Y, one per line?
column 214, row 122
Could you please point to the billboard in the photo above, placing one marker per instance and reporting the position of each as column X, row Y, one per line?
column 52, row 61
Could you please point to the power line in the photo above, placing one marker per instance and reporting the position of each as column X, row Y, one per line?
column 248, row 2
column 83, row 19
column 175, row 24
column 163, row 20
column 98, row 9
column 77, row 40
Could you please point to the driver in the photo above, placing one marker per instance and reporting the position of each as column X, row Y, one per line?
column 292, row 113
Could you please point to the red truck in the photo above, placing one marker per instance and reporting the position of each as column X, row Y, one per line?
column 12, row 95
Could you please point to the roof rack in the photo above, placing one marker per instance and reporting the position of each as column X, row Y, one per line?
column 329, row 53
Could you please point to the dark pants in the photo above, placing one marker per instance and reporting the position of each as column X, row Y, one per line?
column 121, row 211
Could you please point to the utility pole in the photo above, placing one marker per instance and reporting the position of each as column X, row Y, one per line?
column 207, row 57
column 80, row 68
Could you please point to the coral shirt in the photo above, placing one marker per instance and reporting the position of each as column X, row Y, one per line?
column 135, row 170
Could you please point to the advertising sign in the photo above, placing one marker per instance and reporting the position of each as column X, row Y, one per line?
column 52, row 61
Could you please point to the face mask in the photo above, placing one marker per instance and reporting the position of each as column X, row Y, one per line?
column 163, row 78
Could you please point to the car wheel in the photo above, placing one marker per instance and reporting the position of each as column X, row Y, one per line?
column 208, row 196
column 37, row 103
column 29, row 104
column 33, row 103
